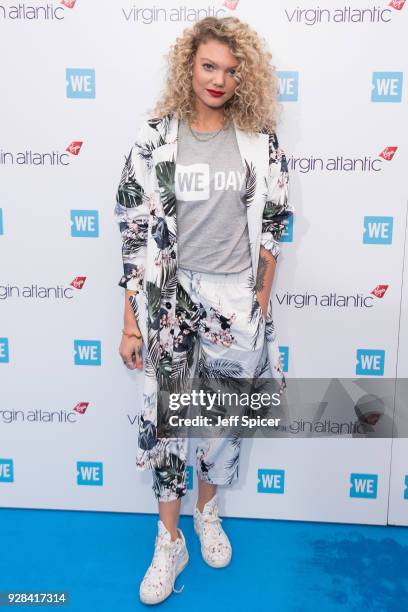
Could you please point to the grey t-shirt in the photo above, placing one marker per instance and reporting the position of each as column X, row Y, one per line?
column 210, row 198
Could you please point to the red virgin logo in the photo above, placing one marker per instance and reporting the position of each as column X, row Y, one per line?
column 388, row 153
column 379, row 291
column 396, row 4
column 78, row 282
column 68, row 3
column 81, row 407
column 231, row 4
column 75, row 147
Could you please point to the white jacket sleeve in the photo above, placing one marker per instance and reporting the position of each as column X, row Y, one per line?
column 277, row 206
column 132, row 215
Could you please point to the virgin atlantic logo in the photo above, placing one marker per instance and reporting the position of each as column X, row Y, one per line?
column 342, row 163
column 331, row 300
column 348, row 14
column 30, row 157
column 38, row 12
column 42, row 292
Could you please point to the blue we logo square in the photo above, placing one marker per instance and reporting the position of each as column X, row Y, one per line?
column 287, row 234
column 80, row 82
column 377, row 230
column 284, row 358
column 406, row 486
column 6, row 470
column 189, row 477
column 386, row 87
column 4, row 350
column 90, row 473
column 288, row 86
column 1, row 222
column 364, row 485
column 370, row 362
column 84, row 223
column 271, row 481
column 87, row 352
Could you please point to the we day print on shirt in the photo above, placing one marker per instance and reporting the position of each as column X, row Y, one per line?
column 192, row 182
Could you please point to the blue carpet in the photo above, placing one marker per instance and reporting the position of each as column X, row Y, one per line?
column 284, row 566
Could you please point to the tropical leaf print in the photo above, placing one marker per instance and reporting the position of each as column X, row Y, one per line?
column 202, row 461
column 169, row 288
column 232, row 464
column 165, row 177
column 153, row 300
column 170, row 478
column 145, row 151
column 221, row 370
column 270, row 330
column 130, row 192
column 134, row 235
column 161, row 125
column 250, row 182
column 262, row 368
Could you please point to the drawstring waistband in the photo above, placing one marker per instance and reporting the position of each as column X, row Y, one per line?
column 215, row 277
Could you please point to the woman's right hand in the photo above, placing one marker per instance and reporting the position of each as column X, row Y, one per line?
column 130, row 350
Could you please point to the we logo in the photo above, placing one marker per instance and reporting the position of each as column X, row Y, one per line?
column 6, row 470
column 370, row 362
column 87, row 352
column 287, row 234
column 4, row 350
column 406, row 486
column 288, row 86
column 1, row 222
column 189, row 477
column 84, row 223
column 284, row 358
column 271, row 481
column 363, row 485
column 90, row 473
column 386, row 87
column 80, row 82
column 377, row 230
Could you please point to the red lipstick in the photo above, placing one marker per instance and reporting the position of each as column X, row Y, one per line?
column 214, row 93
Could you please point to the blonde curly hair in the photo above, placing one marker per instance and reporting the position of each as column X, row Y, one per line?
column 254, row 105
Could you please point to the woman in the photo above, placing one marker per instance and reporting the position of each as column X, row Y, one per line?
column 198, row 291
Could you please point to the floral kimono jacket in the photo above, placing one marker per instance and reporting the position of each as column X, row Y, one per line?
column 146, row 214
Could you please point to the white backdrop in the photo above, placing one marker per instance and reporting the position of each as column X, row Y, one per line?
column 87, row 74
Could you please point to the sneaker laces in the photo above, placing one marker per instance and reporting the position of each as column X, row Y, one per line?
column 164, row 554
column 212, row 524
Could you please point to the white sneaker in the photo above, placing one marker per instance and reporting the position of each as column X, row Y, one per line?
column 215, row 546
column 169, row 559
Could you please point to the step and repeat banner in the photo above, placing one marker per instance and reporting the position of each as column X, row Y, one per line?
column 78, row 77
